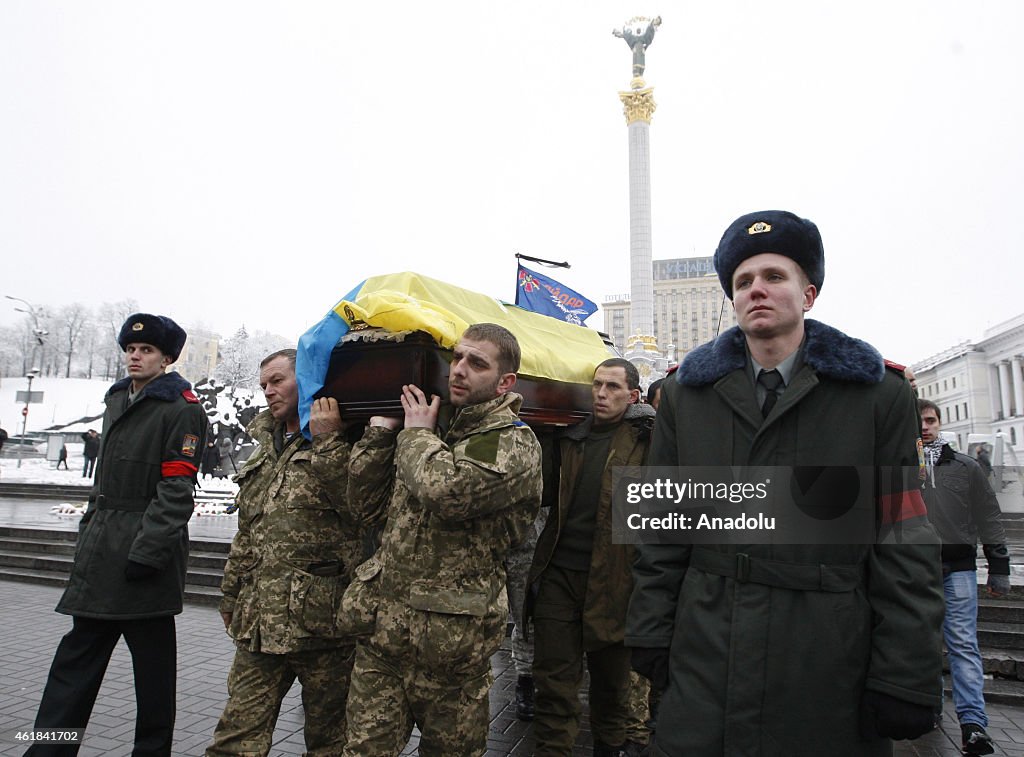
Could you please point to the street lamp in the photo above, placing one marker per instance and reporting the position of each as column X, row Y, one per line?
column 37, row 331
column 24, row 411
column 35, row 313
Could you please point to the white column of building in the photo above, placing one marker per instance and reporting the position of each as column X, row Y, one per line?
column 1018, row 386
column 1004, row 388
column 993, row 396
column 641, row 271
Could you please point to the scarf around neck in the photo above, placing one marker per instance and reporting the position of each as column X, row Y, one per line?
column 932, row 453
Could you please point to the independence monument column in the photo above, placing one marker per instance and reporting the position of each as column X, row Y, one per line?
column 638, row 107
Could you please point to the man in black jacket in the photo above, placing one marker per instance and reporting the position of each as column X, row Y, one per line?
column 962, row 507
column 90, row 451
column 129, row 572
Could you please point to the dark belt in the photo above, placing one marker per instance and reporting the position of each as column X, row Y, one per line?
column 130, row 504
column 784, row 575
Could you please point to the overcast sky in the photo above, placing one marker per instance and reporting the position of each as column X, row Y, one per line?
column 250, row 162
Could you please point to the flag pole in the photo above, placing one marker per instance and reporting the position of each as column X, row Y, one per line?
column 551, row 263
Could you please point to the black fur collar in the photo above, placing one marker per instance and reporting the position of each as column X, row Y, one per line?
column 166, row 387
column 828, row 351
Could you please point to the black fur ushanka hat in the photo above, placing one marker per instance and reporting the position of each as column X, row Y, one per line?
column 158, row 330
column 775, row 231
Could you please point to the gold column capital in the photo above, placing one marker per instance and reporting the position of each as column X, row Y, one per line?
column 638, row 104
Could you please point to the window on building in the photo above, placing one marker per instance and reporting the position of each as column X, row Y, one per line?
column 954, row 382
column 956, row 409
column 945, row 385
column 965, row 411
column 1013, row 436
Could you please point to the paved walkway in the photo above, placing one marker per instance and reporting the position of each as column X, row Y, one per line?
column 32, row 630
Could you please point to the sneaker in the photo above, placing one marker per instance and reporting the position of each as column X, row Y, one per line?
column 524, row 698
column 975, row 740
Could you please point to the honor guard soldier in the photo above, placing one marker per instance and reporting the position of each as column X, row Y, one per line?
column 128, row 576
column 796, row 649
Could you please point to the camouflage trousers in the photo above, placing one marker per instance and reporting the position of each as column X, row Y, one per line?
column 517, row 569
column 638, row 724
column 428, row 669
column 258, row 682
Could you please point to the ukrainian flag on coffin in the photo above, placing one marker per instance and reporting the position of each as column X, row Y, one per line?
column 408, row 301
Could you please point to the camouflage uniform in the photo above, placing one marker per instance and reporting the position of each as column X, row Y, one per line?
column 638, row 721
column 289, row 565
column 517, row 567
column 454, row 509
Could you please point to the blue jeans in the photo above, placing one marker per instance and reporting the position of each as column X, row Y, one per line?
column 960, row 630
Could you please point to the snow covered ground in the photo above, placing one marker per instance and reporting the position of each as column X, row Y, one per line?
column 67, row 400
column 64, row 401
column 38, row 470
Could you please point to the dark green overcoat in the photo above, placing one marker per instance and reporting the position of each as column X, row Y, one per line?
column 140, row 503
column 774, row 659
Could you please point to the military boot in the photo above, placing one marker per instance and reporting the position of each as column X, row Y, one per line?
column 975, row 740
column 524, row 698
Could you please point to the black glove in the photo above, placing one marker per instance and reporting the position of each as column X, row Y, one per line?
column 652, row 664
column 136, row 571
column 896, row 718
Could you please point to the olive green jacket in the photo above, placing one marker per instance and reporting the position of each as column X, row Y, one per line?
column 610, row 579
column 296, row 545
column 140, row 503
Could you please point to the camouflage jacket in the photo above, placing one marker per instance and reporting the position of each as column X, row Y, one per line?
column 454, row 507
column 296, row 546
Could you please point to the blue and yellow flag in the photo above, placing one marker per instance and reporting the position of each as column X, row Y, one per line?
column 546, row 296
column 410, row 302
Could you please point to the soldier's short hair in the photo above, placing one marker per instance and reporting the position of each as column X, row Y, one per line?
column 509, row 353
column 652, row 390
column 923, row 405
column 288, row 353
column 632, row 374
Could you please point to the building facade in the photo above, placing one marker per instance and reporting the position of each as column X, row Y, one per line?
column 689, row 307
column 979, row 386
column 199, row 356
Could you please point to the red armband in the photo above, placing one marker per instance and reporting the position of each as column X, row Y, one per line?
column 902, row 506
column 177, row 468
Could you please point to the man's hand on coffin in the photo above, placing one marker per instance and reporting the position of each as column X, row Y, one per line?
column 325, row 417
column 418, row 412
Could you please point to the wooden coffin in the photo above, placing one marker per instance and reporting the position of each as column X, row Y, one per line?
column 366, row 378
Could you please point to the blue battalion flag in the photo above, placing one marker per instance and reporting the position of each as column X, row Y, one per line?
column 546, row 296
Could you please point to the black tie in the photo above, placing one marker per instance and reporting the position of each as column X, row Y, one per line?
column 771, row 381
